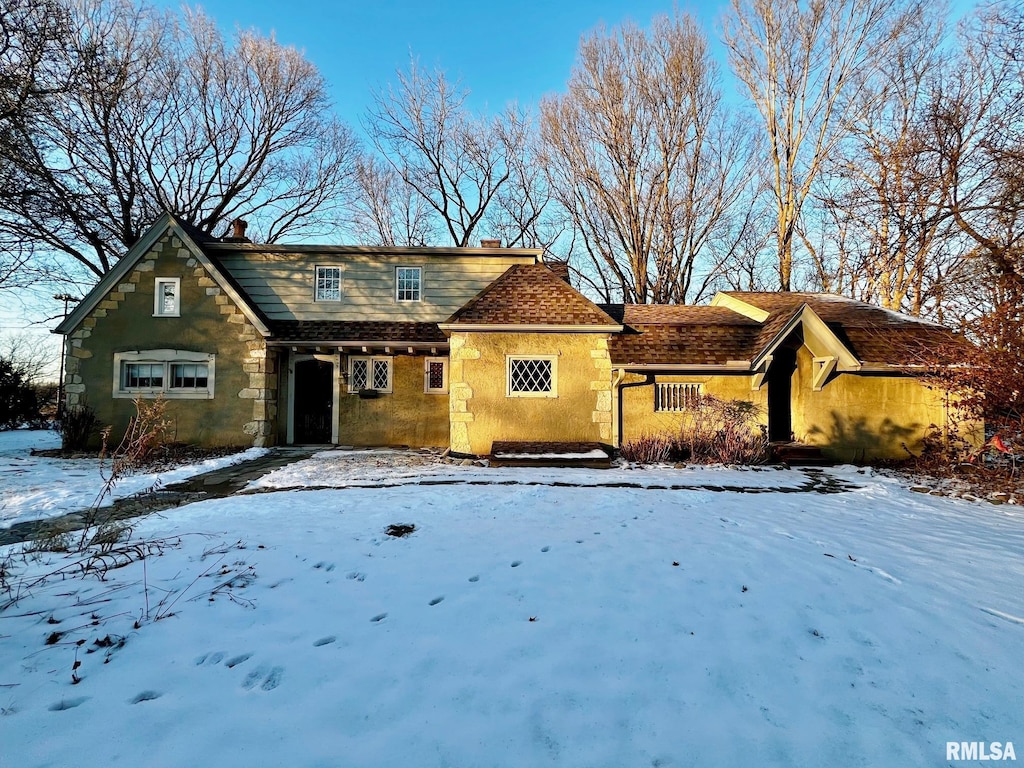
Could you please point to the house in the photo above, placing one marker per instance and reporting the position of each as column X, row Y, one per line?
column 461, row 347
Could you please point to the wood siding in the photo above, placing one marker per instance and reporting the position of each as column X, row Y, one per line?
column 282, row 284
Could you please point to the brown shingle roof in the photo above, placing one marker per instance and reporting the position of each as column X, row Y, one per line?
column 680, row 335
column 308, row 331
column 531, row 294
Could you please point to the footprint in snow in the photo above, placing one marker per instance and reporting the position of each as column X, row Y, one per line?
column 234, row 661
column 437, row 600
column 355, row 576
column 266, row 678
column 145, row 696
column 209, row 659
column 379, row 618
column 64, row 704
column 516, row 563
column 545, row 549
column 325, row 565
column 324, row 641
column 474, row 579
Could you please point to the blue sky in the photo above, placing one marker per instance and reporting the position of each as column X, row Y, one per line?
column 503, row 52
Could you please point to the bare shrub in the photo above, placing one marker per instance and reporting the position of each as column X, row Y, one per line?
column 77, row 426
column 651, row 449
column 716, row 431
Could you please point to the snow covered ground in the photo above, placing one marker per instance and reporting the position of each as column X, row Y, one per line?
column 529, row 625
column 35, row 487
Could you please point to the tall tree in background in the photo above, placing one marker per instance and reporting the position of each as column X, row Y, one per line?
column 167, row 114
column 385, row 210
column 645, row 161
column 887, row 238
column 804, row 65
column 457, row 162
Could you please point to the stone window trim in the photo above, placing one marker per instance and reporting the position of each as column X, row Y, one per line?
column 168, row 360
column 408, row 284
column 531, row 376
column 370, row 373
column 327, row 283
column 167, row 297
column 435, row 376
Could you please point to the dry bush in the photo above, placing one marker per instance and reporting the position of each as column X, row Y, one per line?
column 716, row 431
column 77, row 426
column 651, row 449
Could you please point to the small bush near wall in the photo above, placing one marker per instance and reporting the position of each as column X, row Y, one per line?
column 77, row 427
column 652, row 449
column 718, row 431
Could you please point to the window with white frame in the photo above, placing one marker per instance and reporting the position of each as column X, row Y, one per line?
column 365, row 373
column 168, row 373
column 166, row 298
column 674, row 397
column 533, row 376
column 408, row 283
column 435, row 376
column 328, row 284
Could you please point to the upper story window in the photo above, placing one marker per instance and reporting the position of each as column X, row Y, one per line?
column 167, row 299
column 408, row 283
column 328, row 284
column 534, row 376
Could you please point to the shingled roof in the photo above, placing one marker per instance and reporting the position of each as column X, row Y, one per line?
column 681, row 335
column 531, row 294
column 326, row 331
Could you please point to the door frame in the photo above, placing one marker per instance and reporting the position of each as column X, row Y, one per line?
column 335, row 361
column 781, row 402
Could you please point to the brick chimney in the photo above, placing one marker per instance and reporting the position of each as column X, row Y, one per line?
column 490, row 243
column 238, row 230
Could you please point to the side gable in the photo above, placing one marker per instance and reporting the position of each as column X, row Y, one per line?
column 166, row 226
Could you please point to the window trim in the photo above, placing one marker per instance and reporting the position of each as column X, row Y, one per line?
column 167, row 358
column 370, row 360
column 316, row 282
column 509, row 392
column 427, row 389
column 158, row 304
column 419, row 285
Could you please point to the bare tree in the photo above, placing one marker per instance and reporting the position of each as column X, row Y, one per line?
column 166, row 114
column 456, row 161
column 885, row 236
column 646, row 162
column 385, row 210
column 804, row 65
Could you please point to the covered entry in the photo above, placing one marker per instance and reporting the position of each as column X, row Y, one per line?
column 312, row 395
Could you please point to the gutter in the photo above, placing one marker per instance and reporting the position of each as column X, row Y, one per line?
column 618, row 386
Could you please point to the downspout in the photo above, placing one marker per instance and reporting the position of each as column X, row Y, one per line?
column 618, row 386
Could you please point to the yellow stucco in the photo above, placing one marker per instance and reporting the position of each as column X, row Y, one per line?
column 481, row 410
column 405, row 416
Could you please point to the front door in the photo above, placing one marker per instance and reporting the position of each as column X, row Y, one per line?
column 314, row 398
column 780, row 395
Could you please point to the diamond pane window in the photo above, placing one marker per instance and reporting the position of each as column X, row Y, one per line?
column 359, row 374
column 189, row 375
column 407, row 283
column 369, row 373
column 532, row 377
column 328, row 283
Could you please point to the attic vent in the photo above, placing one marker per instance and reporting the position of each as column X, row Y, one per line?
column 490, row 243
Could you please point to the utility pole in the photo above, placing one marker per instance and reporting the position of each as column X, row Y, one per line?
column 66, row 298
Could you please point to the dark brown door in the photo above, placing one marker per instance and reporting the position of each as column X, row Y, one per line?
column 314, row 399
column 780, row 395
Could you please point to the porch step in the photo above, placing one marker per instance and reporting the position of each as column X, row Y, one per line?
column 507, row 453
column 798, row 454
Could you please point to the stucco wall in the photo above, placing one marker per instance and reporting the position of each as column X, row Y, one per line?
column 244, row 408
column 405, row 416
column 481, row 411
column 858, row 417
column 640, row 418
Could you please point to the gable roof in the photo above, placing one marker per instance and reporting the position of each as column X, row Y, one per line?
column 191, row 239
column 530, row 297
